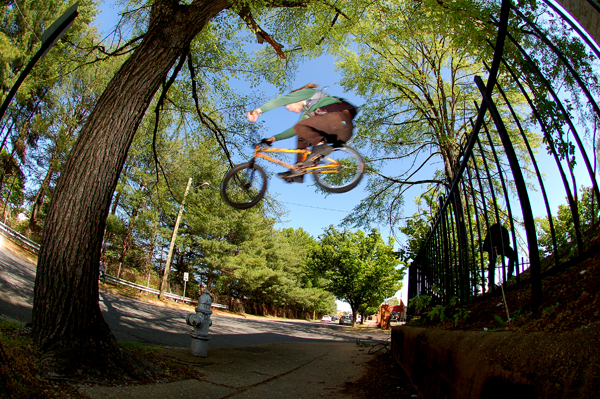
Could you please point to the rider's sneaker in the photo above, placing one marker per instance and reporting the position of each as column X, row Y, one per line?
column 318, row 152
column 291, row 176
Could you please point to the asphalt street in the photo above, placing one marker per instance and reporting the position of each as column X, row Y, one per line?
column 17, row 277
column 133, row 320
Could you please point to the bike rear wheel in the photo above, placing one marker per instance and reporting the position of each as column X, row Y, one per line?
column 244, row 185
column 340, row 171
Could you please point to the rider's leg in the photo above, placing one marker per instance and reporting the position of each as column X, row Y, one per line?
column 295, row 175
column 333, row 123
column 302, row 144
column 312, row 131
column 315, row 129
column 306, row 136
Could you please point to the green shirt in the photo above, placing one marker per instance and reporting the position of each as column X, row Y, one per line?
column 300, row 95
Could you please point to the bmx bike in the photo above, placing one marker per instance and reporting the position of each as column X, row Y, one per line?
column 246, row 184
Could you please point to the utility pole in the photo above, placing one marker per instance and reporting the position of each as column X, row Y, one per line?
column 165, row 278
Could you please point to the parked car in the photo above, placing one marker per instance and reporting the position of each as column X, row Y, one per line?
column 326, row 318
column 346, row 320
column 334, row 318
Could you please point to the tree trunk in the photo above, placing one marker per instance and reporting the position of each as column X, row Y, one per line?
column 127, row 240
column 4, row 215
column 41, row 194
column 72, row 124
column 67, row 321
column 38, row 202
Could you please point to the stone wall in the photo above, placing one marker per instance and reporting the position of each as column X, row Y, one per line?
column 461, row 365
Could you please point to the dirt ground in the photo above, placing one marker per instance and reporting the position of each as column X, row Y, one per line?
column 570, row 301
column 383, row 378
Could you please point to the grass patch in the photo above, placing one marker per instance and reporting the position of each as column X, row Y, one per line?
column 137, row 346
column 18, row 370
column 19, row 373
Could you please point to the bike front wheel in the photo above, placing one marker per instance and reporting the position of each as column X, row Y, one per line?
column 340, row 171
column 244, row 185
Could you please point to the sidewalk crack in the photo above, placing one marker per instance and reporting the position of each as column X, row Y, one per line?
column 246, row 388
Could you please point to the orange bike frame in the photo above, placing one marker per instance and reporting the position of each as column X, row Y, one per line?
column 330, row 167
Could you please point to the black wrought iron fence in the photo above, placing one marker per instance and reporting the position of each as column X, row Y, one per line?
column 489, row 224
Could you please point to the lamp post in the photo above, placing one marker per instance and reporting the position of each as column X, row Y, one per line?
column 49, row 39
column 165, row 278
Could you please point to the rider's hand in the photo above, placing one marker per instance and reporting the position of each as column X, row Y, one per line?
column 253, row 115
column 268, row 141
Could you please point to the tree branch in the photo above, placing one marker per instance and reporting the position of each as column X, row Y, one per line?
column 204, row 118
column 261, row 35
column 159, row 105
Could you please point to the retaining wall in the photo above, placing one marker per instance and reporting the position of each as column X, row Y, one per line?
column 450, row 364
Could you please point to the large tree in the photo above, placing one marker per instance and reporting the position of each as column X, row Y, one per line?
column 418, row 79
column 360, row 268
column 67, row 321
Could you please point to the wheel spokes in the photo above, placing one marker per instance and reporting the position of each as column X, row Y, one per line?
column 339, row 169
column 244, row 186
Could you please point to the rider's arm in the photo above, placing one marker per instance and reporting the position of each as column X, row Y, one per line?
column 290, row 98
column 286, row 134
column 286, row 99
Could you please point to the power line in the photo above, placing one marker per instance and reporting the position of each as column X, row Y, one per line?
column 314, row 207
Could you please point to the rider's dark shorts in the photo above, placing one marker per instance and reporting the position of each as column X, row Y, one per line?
column 334, row 126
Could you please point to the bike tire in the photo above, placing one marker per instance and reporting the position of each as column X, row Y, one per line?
column 346, row 176
column 244, row 185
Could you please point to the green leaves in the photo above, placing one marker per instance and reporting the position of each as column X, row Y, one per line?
column 419, row 89
column 359, row 268
column 565, row 227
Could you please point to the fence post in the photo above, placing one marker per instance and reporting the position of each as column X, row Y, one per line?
column 528, row 220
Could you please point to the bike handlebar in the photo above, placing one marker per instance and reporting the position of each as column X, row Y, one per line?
column 262, row 143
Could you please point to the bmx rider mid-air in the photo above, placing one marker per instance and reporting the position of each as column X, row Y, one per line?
column 324, row 120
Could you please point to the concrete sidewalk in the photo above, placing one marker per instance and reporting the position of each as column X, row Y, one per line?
column 292, row 370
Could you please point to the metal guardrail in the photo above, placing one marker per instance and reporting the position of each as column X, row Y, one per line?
column 4, row 229
column 157, row 292
column 20, row 237
column 148, row 289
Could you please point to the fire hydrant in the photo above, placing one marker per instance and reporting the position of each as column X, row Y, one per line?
column 201, row 322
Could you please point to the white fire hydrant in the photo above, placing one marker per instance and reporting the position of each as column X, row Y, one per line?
column 201, row 322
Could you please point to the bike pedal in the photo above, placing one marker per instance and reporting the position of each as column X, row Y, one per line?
column 316, row 160
column 294, row 179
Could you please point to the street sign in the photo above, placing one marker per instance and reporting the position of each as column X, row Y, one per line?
column 186, row 276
